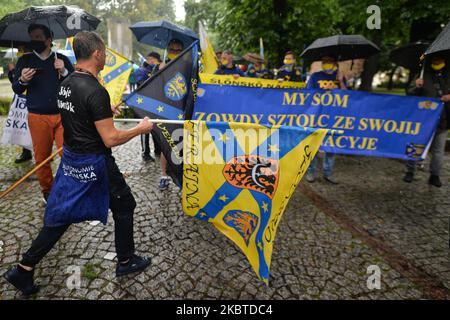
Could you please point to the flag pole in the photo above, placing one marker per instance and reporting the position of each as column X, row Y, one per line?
column 331, row 131
column 151, row 120
column 19, row 182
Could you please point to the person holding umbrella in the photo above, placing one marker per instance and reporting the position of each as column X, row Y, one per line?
column 330, row 50
column 39, row 74
column 434, row 83
column 328, row 78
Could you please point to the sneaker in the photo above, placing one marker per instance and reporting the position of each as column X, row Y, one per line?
column 22, row 281
column 24, row 156
column 408, row 177
column 435, row 181
column 147, row 157
column 310, row 177
column 330, row 179
column 164, row 183
column 135, row 264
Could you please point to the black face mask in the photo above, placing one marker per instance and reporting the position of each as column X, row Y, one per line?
column 37, row 45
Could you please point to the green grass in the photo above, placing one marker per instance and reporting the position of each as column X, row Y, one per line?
column 398, row 91
column 90, row 271
column 4, row 106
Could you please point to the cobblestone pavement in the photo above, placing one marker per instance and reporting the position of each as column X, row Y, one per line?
column 328, row 237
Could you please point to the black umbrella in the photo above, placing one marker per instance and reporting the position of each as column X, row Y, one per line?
column 12, row 43
column 441, row 44
column 63, row 21
column 343, row 47
column 408, row 56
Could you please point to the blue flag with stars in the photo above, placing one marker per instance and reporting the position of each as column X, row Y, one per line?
column 169, row 94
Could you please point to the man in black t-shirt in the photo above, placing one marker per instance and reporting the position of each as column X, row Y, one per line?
column 89, row 129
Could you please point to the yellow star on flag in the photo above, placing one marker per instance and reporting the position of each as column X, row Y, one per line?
column 224, row 198
column 265, row 206
column 160, row 109
column 139, row 100
column 260, row 245
column 273, row 148
column 180, row 117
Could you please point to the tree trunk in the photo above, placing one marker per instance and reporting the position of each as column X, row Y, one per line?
column 280, row 9
column 391, row 78
column 371, row 66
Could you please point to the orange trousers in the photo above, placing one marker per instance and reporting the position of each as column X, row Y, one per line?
column 45, row 129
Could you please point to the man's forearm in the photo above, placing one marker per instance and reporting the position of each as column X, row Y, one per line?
column 123, row 136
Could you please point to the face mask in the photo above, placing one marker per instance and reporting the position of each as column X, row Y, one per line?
column 171, row 56
column 328, row 67
column 37, row 45
column 288, row 61
column 437, row 67
column 224, row 62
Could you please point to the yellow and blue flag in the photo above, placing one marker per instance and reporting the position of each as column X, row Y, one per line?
column 114, row 77
column 208, row 59
column 239, row 177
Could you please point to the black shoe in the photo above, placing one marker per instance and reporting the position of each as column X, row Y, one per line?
column 135, row 264
column 23, row 281
column 408, row 177
column 24, row 156
column 147, row 157
column 435, row 181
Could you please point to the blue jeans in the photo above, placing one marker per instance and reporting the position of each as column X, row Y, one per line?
column 328, row 164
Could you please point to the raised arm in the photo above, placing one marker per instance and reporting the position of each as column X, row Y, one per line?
column 112, row 136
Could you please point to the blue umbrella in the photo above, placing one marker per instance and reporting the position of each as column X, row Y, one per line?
column 159, row 33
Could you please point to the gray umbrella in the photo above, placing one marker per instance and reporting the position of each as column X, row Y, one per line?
column 63, row 21
column 441, row 44
column 343, row 47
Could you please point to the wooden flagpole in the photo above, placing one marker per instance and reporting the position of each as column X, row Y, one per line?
column 21, row 180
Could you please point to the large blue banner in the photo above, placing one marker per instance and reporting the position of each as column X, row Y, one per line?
column 379, row 125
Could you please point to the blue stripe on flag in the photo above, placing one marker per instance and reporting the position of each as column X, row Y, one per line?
column 163, row 110
column 117, row 72
column 227, row 192
column 265, row 209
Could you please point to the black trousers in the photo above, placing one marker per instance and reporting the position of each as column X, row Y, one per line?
column 122, row 205
column 145, row 144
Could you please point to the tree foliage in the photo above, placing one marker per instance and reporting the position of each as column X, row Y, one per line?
column 293, row 25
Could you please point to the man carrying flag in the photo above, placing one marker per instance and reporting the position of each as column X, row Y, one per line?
column 88, row 180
